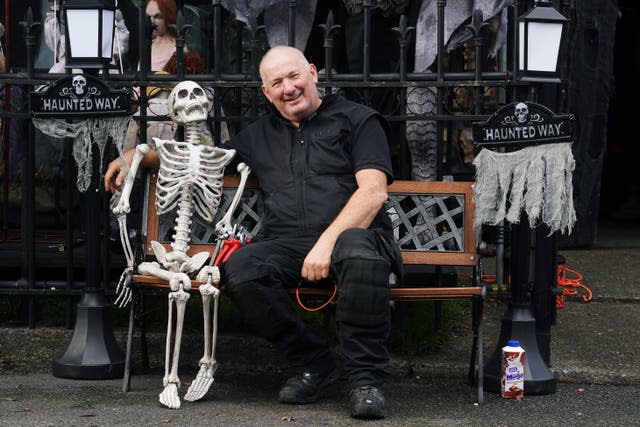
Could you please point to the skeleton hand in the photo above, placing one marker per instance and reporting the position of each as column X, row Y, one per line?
column 123, row 290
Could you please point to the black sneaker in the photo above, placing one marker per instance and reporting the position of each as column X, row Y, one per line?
column 368, row 402
column 306, row 386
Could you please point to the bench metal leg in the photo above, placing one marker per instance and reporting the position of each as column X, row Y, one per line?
column 126, row 381
column 475, row 376
column 480, row 362
column 144, row 351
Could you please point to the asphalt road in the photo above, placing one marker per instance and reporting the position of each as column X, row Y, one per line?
column 594, row 354
column 246, row 399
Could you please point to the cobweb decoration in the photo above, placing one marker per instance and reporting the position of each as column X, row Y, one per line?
column 537, row 179
column 83, row 132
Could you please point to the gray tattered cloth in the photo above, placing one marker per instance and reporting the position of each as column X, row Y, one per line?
column 536, row 179
column 85, row 131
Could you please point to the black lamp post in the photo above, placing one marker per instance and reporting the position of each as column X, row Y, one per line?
column 93, row 352
column 532, row 260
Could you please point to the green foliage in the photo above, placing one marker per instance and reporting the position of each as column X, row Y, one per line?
column 9, row 308
column 414, row 325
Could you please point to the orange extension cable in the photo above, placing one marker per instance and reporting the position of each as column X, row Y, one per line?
column 570, row 282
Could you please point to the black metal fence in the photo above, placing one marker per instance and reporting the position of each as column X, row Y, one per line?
column 371, row 53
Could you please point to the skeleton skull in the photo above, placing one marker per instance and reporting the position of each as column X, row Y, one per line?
column 188, row 103
column 79, row 83
column 521, row 112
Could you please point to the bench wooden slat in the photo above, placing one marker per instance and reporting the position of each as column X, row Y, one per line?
column 439, row 258
column 396, row 294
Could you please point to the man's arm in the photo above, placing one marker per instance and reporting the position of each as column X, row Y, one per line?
column 118, row 168
column 360, row 210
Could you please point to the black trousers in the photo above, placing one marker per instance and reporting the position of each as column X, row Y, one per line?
column 256, row 278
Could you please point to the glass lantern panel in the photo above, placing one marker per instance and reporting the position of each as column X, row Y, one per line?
column 543, row 46
column 83, row 37
column 521, row 45
column 107, row 33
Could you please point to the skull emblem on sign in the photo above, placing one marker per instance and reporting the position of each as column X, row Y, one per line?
column 188, row 103
column 521, row 112
column 79, row 83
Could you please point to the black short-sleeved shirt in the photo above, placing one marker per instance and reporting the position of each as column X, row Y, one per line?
column 307, row 174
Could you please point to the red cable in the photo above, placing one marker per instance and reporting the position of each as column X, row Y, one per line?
column 571, row 283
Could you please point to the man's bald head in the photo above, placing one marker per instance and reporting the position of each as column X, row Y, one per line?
column 289, row 82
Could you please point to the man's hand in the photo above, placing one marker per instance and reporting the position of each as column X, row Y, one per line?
column 359, row 211
column 117, row 171
column 118, row 168
column 317, row 262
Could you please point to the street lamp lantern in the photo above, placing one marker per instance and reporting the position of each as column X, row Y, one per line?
column 540, row 34
column 89, row 32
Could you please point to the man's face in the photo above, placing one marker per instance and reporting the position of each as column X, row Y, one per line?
column 289, row 83
column 157, row 20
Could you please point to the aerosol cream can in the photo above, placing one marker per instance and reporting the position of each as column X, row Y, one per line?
column 512, row 382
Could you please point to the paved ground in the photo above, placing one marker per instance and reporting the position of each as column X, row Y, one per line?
column 594, row 352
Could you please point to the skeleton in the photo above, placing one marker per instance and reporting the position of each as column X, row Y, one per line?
column 521, row 111
column 189, row 178
column 79, row 83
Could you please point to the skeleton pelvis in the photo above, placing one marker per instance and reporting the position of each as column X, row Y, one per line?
column 177, row 261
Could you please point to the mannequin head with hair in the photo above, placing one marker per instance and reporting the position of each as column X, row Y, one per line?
column 162, row 14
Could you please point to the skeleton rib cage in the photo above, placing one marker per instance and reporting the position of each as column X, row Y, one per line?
column 205, row 181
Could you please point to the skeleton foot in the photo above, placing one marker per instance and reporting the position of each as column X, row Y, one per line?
column 169, row 396
column 200, row 385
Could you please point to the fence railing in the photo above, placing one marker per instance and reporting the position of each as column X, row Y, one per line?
column 430, row 106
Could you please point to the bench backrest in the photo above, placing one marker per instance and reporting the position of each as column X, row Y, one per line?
column 432, row 221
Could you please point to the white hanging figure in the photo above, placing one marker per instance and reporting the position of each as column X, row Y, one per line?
column 190, row 177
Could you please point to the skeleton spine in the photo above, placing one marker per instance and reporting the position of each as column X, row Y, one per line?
column 191, row 133
column 185, row 206
column 183, row 221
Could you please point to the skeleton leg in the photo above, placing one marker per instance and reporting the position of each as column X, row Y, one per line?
column 179, row 282
column 169, row 396
column 208, row 364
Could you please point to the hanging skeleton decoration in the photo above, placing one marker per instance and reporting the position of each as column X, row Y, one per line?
column 189, row 178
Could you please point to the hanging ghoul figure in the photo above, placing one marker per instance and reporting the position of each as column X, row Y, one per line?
column 190, row 178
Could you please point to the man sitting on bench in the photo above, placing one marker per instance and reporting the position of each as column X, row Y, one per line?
column 323, row 166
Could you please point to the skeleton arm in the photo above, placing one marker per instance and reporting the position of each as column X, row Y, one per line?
column 123, row 207
column 121, row 210
column 224, row 228
column 224, row 225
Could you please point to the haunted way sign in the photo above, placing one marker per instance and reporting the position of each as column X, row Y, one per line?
column 80, row 96
column 523, row 124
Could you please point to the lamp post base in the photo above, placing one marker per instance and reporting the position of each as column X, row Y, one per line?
column 93, row 353
column 518, row 323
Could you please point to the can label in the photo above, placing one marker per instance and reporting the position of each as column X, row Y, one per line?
column 512, row 384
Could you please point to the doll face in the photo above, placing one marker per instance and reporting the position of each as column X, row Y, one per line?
column 157, row 20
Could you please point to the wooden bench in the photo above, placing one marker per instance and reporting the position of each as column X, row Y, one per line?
column 432, row 221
